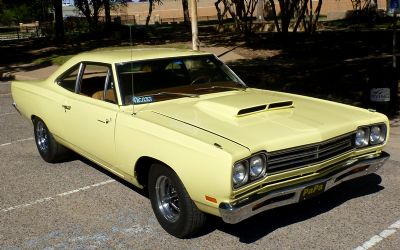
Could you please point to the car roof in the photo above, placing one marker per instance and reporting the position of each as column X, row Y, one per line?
column 112, row 56
column 126, row 55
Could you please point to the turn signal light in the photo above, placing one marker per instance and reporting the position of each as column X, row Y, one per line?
column 211, row 199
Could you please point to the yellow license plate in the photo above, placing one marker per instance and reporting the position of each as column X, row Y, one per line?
column 312, row 191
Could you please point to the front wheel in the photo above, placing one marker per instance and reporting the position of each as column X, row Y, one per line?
column 50, row 150
column 174, row 209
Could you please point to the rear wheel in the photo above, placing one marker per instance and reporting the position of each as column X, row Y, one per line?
column 174, row 209
column 50, row 150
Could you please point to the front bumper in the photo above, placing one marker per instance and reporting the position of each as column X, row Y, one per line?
column 257, row 203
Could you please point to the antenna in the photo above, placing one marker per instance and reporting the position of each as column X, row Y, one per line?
column 131, row 71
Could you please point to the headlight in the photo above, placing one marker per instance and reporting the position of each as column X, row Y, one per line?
column 257, row 166
column 370, row 135
column 377, row 134
column 362, row 137
column 239, row 175
column 249, row 170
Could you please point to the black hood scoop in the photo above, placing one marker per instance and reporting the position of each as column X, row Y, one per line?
column 270, row 106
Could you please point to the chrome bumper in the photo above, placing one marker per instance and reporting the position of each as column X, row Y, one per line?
column 257, row 203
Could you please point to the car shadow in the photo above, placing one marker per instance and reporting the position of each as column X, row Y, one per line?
column 259, row 226
column 143, row 192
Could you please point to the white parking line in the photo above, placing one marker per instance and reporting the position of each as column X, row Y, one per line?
column 6, row 94
column 38, row 201
column 11, row 113
column 21, row 140
column 392, row 229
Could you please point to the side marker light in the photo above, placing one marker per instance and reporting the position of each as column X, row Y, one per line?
column 211, row 199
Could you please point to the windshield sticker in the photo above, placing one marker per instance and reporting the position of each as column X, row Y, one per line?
column 142, row 99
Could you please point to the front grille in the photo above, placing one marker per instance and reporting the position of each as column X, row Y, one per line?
column 289, row 159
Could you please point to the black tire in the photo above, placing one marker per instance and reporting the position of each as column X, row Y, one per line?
column 183, row 222
column 49, row 149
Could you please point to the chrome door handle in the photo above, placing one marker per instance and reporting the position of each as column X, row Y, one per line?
column 66, row 107
column 105, row 122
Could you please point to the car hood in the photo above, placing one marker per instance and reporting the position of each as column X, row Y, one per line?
column 266, row 120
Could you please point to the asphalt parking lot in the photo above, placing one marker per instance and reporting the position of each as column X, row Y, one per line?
column 77, row 205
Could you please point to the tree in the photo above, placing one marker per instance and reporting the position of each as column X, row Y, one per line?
column 108, row 6
column 186, row 17
column 90, row 9
column 151, row 7
column 40, row 9
column 14, row 12
column 365, row 10
column 287, row 8
column 304, row 13
column 226, row 4
column 308, row 14
column 59, row 21
column 241, row 12
column 360, row 5
column 107, row 13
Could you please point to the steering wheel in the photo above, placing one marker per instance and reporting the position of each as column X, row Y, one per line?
column 201, row 79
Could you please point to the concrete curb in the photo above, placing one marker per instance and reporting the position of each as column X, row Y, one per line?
column 37, row 74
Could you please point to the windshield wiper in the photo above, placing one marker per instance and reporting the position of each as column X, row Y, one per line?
column 175, row 93
column 223, row 87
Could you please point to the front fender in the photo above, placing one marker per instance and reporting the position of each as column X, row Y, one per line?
column 203, row 161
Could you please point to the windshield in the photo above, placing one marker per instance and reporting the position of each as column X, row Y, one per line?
column 162, row 79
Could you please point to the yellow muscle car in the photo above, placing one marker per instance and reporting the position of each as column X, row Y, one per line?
column 182, row 124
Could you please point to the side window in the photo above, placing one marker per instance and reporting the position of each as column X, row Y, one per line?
column 68, row 81
column 109, row 93
column 97, row 83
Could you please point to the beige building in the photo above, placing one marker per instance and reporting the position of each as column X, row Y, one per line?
column 171, row 10
column 336, row 9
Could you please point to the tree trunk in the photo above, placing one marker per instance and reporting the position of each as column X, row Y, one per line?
column 230, row 8
column 219, row 15
column 186, row 17
column 90, row 9
column 107, row 13
column 249, row 14
column 151, row 3
column 316, row 14
column 285, row 20
column 276, row 21
column 195, row 31
column 58, row 16
column 96, row 9
column 240, row 9
column 301, row 16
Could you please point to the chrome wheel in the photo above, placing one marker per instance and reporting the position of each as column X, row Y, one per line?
column 172, row 205
column 42, row 137
column 167, row 199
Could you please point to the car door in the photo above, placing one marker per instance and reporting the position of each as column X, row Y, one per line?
column 90, row 114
